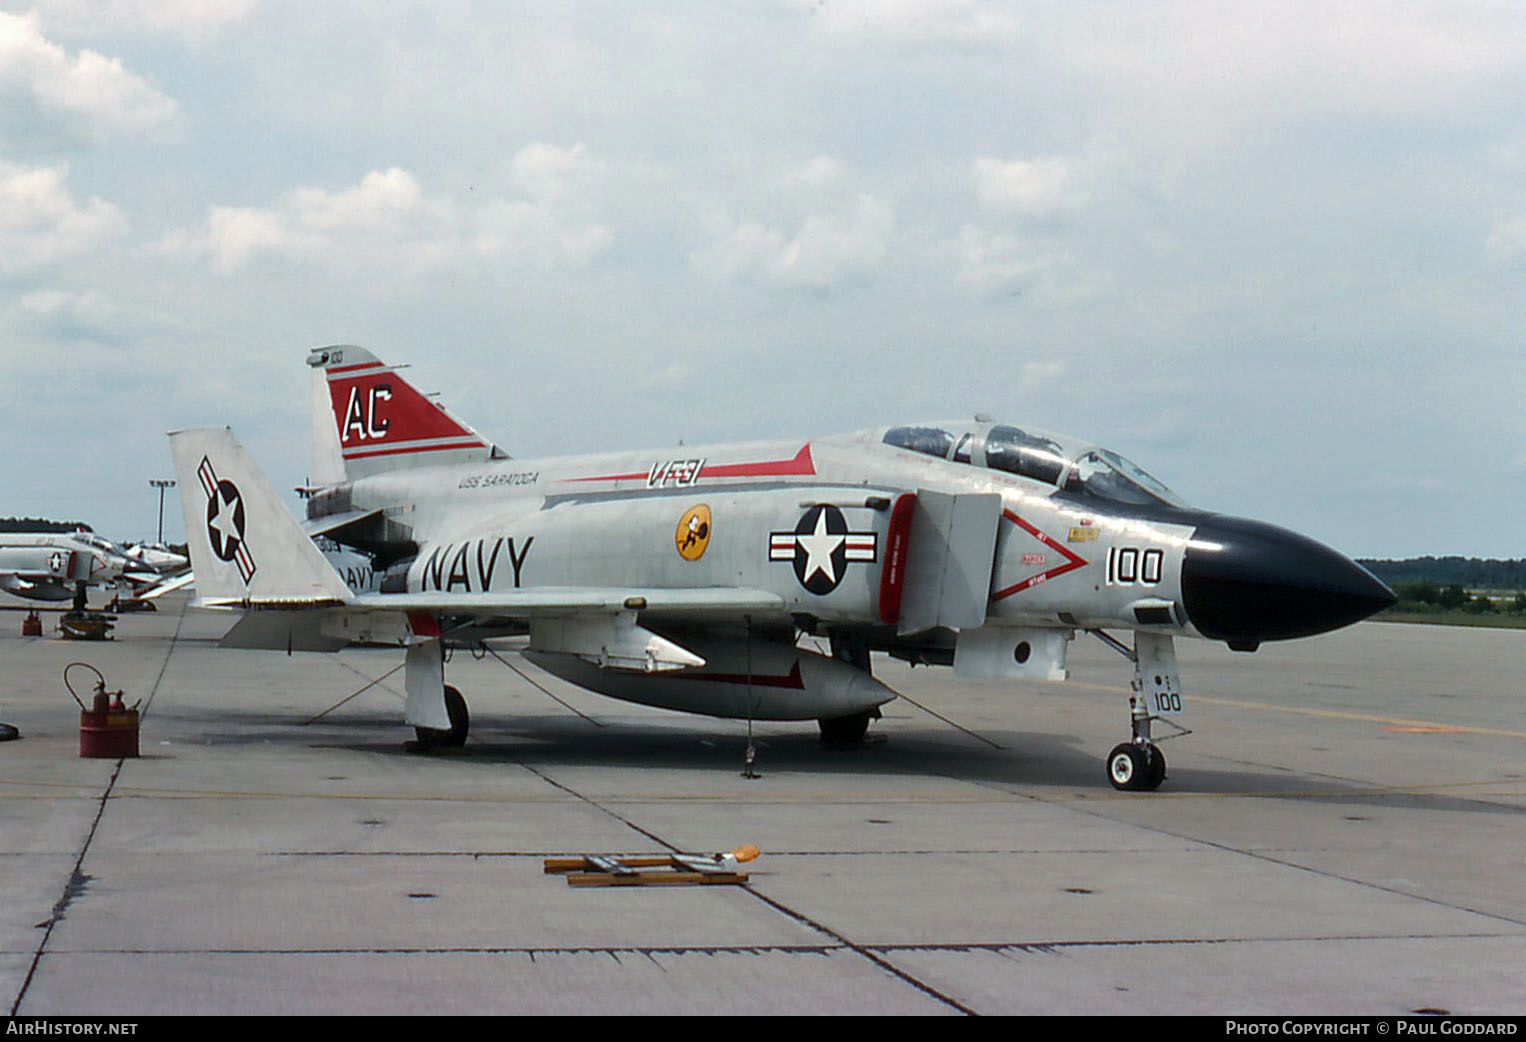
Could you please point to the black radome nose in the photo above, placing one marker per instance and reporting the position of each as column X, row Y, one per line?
column 1245, row 581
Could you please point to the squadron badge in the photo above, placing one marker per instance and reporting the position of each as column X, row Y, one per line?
column 693, row 533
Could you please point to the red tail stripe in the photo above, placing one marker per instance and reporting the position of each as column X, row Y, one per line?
column 357, row 454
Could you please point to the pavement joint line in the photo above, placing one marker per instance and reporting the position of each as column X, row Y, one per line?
column 78, row 880
column 1267, row 857
column 73, row 888
column 593, row 949
column 1507, row 787
column 778, row 906
column 531, row 854
column 865, row 951
column 1082, row 803
column 891, row 948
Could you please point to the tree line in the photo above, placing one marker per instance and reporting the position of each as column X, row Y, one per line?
column 1474, row 573
column 40, row 524
column 1454, row 583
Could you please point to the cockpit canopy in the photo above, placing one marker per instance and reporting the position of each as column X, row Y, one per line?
column 105, row 546
column 1059, row 462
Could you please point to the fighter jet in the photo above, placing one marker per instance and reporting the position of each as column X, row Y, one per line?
column 58, row 566
column 160, row 558
column 690, row 579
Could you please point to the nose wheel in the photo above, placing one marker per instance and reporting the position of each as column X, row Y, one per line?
column 1136, row 767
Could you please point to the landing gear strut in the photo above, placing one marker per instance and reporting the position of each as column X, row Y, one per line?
column 1138, row 765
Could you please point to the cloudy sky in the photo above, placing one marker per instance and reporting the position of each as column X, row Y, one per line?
column 1274, row 253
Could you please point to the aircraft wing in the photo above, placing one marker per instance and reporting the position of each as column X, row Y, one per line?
column 167, row 586
column 582, row 620
column 546, row 600
column 564, row 600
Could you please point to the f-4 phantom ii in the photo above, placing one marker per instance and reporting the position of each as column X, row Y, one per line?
column 58, row 566
column 685, row 579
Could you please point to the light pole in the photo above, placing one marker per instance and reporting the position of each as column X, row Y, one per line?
column 161, row 484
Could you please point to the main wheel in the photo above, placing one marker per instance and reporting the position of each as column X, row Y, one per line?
column 845, row 730
column 1132, row 767
column 460, row 723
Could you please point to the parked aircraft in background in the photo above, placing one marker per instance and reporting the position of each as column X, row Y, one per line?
column 686, row 578
column 160, row 557
column 59, row 566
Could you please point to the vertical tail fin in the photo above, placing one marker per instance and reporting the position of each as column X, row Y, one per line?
column 245, row 545
column 381, row 422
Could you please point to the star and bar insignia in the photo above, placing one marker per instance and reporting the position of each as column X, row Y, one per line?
column 821, row 547
column 225, row 520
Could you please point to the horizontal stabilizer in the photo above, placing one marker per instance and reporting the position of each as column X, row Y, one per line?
column 335, row 525
column 280, row 631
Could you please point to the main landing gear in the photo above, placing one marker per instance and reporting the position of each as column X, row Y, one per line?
column 434, row 708
column 1138, row 765
column 460, row 724
column 847, row 730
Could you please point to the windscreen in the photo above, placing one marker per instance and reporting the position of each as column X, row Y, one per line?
column 1109, row 476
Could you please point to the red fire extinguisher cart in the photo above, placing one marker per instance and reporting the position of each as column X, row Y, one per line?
column 108, row 729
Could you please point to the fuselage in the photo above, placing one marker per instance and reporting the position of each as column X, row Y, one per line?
column 1083, row 539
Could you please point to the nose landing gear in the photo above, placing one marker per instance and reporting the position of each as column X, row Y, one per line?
column 1138, row 765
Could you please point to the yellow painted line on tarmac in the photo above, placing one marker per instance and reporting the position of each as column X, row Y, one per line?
column 1419, row 726
column 1488, row 787
column 1388, row 723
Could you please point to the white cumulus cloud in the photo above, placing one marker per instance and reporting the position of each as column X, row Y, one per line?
column 991, row 262
column 1041, row 188
column 386, row 213
column 826, row 249
column 387, row 221
column 87, row 86
column 190, row 20
column 41, row 223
